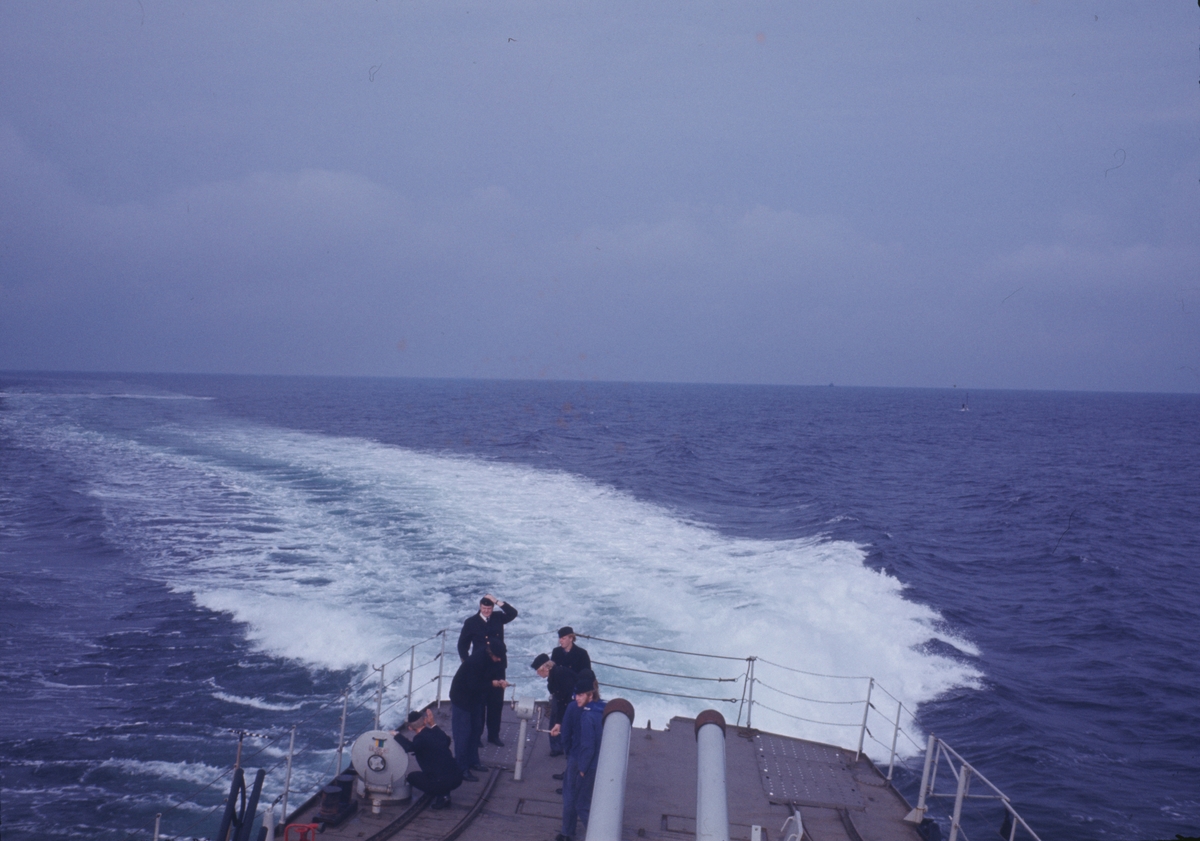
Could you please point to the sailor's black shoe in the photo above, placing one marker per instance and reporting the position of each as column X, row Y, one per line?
column 470, row 778
column 557, row 776
column 496, row 742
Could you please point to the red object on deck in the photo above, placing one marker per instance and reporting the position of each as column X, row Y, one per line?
column 303, row 832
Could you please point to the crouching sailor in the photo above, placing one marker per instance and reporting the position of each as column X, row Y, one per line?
column 439, row 774
column 582, row 728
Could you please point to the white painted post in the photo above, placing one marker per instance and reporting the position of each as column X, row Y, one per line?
column 287, row 779
column 750, row 704
column 412, row 665
column 441, row 667
column 866, row 709
column 379, row 697
column 964, row 784
column 342, row 732
column 520, row 768
column 157, row 825
column 895, row 733
column 918, row 814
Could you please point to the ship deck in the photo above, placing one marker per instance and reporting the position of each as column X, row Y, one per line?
column 837, row 798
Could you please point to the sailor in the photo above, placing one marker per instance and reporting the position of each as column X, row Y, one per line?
column 479, row 629
column 439, row 774
column 560, row 680
column 582, row 729
column 479, row 673
column 569, row 654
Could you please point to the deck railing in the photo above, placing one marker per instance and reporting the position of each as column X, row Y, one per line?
column 382, row 690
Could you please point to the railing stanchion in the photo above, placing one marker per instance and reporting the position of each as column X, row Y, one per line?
column 379, row 697
column 964, row 784
column 862, row 732
column 287, row 778
column 412, row 667
column 441, row 667
column 157, row 825
column 918, row 814
column 750, row 703
column 342, row 732
column 895, row 733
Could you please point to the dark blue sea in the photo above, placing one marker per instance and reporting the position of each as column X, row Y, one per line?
column 184, row 557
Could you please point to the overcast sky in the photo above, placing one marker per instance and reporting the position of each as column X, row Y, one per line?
column 982, row 194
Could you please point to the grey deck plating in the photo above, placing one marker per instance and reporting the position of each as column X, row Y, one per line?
column 837, row 798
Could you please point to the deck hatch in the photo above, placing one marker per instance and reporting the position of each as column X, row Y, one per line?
column 806, row 773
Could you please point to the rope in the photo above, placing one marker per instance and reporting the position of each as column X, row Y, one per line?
column 801, row 697
column 671, row 694
column 667, row 674
column 668, row 650
column 814, row 674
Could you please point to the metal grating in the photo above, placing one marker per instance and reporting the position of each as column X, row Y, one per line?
column 806, row 773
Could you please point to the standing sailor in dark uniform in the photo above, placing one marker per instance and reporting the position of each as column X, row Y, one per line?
column 439, row 774
column 468, row 695
column 569, row 654
column 477, row 631
column 560, row 680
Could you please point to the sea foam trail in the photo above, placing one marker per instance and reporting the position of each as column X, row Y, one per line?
column 339, row 553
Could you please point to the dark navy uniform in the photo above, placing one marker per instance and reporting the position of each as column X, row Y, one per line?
column 439, row 774
column 576, row 659
column 475, row 635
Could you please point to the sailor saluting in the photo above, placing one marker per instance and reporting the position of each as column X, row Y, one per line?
column 479, row 629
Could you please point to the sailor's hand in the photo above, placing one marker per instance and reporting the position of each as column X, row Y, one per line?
column 555, row 730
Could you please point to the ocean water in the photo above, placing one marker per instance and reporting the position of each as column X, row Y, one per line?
column 184, row 557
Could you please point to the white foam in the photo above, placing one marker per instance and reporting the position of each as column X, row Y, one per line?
column 339, row 553
column 256, row 702
column 188, row 772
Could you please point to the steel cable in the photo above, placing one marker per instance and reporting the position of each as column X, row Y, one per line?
column 814, row 674
column 668, row 650
column 801, row 697
column 668, row 674
column 810, row 720
column 671, row 694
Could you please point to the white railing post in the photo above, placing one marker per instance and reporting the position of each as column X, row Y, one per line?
column 379, row 697
column 342, row 732
column 866, row 709
column 895, row 733
column 157, row 825
column 287, row 778
column 918, row 814
column 441, row 667
column 750, row 703
column 964, row 783
column 412, row 666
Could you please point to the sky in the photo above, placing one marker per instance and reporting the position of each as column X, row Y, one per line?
column 915, row 194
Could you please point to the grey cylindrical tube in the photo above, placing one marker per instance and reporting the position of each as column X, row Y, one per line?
column 608, row 797
column 712, row 800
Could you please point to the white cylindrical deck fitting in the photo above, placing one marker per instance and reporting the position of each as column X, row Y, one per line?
column 712, row 800
column 608, row 797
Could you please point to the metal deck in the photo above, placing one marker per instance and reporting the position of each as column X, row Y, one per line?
column 837, row 798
